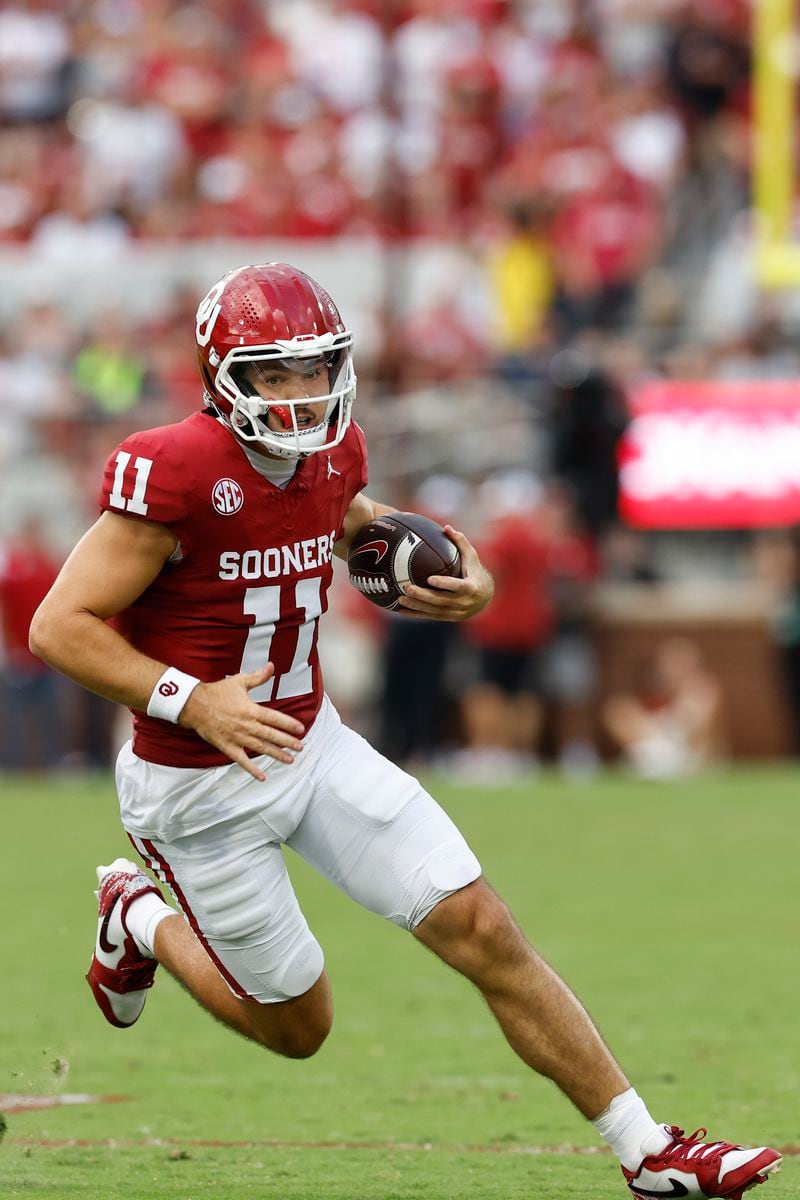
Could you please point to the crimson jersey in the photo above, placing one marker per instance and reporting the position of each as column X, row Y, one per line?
column 250, row 577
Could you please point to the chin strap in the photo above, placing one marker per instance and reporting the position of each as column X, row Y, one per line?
column 210, row 405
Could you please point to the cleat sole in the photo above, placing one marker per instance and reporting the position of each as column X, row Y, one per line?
column 761, row 1177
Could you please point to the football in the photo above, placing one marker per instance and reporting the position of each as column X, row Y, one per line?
column 397, row 549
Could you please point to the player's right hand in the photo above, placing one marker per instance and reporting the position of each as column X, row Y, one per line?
column 225, row 716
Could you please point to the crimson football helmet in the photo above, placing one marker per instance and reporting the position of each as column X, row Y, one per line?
column 273, row 315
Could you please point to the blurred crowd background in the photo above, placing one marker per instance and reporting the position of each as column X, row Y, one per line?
column 526, row 209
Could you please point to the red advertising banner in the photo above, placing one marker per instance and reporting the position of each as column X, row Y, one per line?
column 712, row 455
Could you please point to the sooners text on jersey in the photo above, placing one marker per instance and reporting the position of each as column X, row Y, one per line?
column 249, row 581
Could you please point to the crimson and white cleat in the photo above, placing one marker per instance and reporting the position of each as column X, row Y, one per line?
column 690, row 1168
column 120, row 974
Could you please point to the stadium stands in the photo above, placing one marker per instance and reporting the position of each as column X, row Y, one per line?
column 528, row 203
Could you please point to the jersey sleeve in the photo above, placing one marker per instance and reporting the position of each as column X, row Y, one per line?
column 144, row 478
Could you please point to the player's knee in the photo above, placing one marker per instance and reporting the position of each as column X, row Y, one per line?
column 302, row 1040
column 479, row 916
column 295, row 1028
column 493, row 928
column 306, row 1041
column 471, row 929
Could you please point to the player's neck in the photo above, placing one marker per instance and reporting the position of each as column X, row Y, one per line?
column 280, row 471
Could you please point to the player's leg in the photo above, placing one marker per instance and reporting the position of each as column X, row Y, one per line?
column 474, row 932
column 295, row 1028
column 626, row 720
column 246, row 934
column 375, row 833
column 242, row 947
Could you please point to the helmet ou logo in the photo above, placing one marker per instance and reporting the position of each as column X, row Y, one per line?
column 207, row 314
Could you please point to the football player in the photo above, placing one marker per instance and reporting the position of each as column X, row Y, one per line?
column 195, row 600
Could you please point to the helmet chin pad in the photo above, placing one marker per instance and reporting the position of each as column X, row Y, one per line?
column 313, row 438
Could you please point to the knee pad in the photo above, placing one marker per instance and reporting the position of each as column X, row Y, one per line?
column 301, row 970
column 286, row 974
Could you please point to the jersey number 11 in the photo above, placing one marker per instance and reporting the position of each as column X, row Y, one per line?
column 264, row 603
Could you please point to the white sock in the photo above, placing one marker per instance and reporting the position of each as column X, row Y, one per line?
column 143, row 918
column 629, row 1130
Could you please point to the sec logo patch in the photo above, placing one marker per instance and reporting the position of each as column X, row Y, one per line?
column 227, row 497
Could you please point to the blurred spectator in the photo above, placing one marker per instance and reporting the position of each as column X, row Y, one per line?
column 501, row 710
column 168, row 356
column 133, row 149
column 470, row 134
column 416, row 712
column 587, row 419
column 569, row 671
column 80, row 230
column 34, row 61
column 604, row 237
column 344, row 61
column 351, row 654
column 34, row 384
column 676, row 724
column 647, row 136
column 708, row 59
column 522, row 282
column 437, row 345
column 30, row 729
column 626, row 557
column 426, row 46
column 22, row 198
column 189, row 72
column 108, row 372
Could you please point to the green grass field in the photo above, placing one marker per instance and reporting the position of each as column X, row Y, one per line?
column 672, row 911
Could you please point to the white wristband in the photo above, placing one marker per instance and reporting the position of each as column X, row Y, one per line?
column 170, row 694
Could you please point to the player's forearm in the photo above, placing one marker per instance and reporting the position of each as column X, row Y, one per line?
column 85, row 648
column 361, row 510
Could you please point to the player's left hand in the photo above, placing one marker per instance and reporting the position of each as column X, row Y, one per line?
column 448, row 599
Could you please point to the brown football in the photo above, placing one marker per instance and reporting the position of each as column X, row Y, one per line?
column 397, row 549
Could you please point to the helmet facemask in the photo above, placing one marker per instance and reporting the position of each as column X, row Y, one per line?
column 244, row 366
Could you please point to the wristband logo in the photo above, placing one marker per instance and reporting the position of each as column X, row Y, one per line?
column 168, row 689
